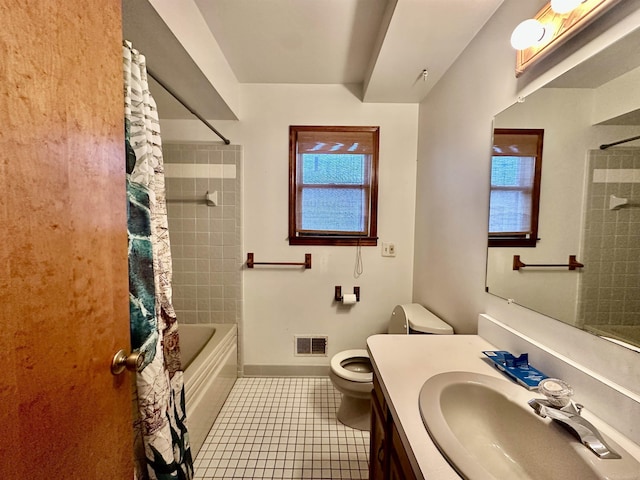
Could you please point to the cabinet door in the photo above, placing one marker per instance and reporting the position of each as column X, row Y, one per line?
column 377, row 452
column 399, row 465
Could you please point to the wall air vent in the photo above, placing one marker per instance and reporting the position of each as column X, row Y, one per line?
column 306, row 346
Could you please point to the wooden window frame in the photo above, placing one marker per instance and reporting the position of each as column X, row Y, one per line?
column 371, row 216
column 518, row 239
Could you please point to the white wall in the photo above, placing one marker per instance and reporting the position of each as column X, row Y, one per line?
column 279, row 303
column 609, row 103
column 453, row 189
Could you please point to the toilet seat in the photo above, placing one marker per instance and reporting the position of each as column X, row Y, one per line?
column 339, row 370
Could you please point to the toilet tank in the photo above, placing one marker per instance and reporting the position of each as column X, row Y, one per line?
column 414, row 318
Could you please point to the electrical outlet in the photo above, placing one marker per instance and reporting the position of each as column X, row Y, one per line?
column 388, row 249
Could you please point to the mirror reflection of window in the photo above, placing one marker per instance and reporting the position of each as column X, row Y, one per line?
column 516, row 166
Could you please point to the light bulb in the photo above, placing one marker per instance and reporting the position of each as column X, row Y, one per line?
column 527, row 34
column 564, row 6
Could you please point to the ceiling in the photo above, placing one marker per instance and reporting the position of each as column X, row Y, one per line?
column 381, row 46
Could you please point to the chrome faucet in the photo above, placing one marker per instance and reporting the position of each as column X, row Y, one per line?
column 569, row 417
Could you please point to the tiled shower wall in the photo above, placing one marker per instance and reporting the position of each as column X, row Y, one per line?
column 205, row 240
column 611, row 277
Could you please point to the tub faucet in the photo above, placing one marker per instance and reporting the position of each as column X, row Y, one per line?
column 569, row 417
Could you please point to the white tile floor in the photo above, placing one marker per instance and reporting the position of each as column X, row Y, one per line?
column 282, row 428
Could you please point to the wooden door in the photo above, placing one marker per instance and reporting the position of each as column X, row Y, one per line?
column 63, row 244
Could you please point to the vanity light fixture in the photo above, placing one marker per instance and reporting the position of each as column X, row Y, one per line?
column 528, row 33
column 556, row 22
column 565, row 6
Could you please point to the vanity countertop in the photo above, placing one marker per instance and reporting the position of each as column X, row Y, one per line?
column 403, row 363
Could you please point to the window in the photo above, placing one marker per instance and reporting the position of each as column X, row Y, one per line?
column 333, row 185
column 516, row 167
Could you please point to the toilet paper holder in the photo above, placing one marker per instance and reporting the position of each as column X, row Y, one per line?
column 338, row 293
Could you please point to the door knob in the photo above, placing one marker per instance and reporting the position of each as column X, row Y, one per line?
column 132, row 362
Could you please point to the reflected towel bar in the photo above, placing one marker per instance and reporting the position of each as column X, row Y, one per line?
column 572, row 265
column 306, row 264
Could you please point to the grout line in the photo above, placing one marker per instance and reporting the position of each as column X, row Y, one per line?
column 282, row 428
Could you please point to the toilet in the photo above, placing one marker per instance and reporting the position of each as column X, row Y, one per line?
column 352, row 373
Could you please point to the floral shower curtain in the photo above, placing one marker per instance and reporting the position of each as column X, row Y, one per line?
column 162, row 448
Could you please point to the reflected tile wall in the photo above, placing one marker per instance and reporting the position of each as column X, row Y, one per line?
column 611, row 277
column 205, row 240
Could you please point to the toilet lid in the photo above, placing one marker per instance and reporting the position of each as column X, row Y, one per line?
column 424, row 321
column 338, row 369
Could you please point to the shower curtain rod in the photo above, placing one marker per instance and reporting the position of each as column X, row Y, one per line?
column 607, row 145
column 184, row 104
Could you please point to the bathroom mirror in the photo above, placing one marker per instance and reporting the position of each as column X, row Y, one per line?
column 589, row 199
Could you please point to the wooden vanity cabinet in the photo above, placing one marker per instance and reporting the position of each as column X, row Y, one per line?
column 399, row 465
column 378, row 465
column 388, row 459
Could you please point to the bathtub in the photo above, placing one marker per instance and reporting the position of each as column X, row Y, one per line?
column 209, row 359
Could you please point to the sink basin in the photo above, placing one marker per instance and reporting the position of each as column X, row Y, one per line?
column 485, row 429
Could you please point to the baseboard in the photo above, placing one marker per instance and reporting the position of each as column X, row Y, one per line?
column 286, row 370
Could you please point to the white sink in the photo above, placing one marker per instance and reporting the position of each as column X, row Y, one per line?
column 485, row 429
